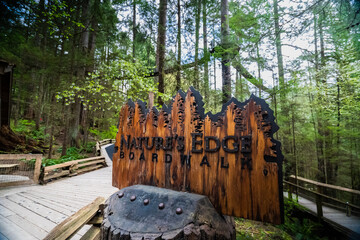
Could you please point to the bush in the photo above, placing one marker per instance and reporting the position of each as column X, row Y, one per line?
column 107, row 134
column 72, row 153
column 27, row 128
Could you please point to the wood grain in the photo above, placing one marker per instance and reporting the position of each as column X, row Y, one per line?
column 235, row 184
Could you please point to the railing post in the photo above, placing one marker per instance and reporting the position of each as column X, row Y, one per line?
column 348, row 209
column 290, row 191
column 319, row 209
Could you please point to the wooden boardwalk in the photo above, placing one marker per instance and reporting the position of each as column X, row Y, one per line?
column 30, row 212
column 334, row 217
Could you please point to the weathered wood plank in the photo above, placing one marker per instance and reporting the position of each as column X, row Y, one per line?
column 15, row 183
column 326, row 185
column 92, row 234
column 69, row 200
column 5, row 166
column 56, row 175
column 39, row 209
column 12, row 231
column 19, row 156
column 66, row 164
column 3, row 237
column 72, row 224
column 37, row 169
column 48, row 204
column 96, row 220
column 91, row 163
column 87, row 169
column 28, row 226
column 5, row 212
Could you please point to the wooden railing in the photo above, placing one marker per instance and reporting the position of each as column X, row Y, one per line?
column 102, row 143
column 91, row 214
column 72, row 168
column 27, row 157
column 316, row 191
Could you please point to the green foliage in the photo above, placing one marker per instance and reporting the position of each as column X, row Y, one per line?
column 300, row 229
column 111, row 85
column 72, row 153
column 106, row 134
column 253, row 230
column 27, row 128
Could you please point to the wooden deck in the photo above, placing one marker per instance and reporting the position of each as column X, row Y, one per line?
column 336, row 218
column 30, row 212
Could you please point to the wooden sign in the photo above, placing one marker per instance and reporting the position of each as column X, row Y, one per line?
column 231, row 157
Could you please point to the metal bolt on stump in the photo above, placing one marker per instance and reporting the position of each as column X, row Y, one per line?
column 157, row 213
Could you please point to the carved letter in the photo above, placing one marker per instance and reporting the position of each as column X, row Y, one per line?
column 180, row 147
column 205, row 161
column 235, row 144
column 122, row 154
column 133, row 144
column 223, row 164
column 123, row 141
column 168, row 158
column 196, row 142
column 142, row 157
column 246, row 161
column 246, row 144
column 154, row 157
column 168, row 144
column 147, row 143
column 185, row 158
column 131, row 155
column 158, row 142
column 140, row 140
column 207, row 144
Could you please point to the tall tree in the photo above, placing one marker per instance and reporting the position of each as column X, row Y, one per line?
column 178, row 37
column 225, row 67
column 197, row 38
column 279, row 51
column 206, row 54
column 134, row 29
column 160, row 47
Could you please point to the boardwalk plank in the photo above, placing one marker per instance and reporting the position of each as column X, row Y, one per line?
column 12, row 231
column 5, row 212
column 28, row 226
column 2, row 237
column 31, row 216
column 43, row 211
column 59, row 202
column 48, row 204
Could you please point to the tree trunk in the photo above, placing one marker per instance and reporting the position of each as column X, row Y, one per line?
column 206, row 54
column 178, row 73
column 134, row 29
column 320, row 133
column 226, row 74
column 66, row 126
column 160, row 51
column 197, row 30
column 52, row 122
column 259, row 67
column 279, row 52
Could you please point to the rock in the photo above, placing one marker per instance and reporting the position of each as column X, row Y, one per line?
column 147, row 212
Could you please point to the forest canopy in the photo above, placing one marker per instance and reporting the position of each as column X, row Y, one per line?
column 77, row 62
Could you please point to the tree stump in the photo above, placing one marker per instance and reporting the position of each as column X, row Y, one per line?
column 147, row 212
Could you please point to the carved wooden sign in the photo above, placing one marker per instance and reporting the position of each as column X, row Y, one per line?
column 231, row 157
